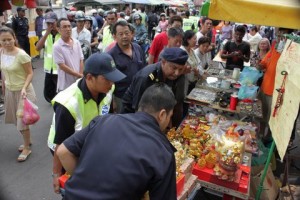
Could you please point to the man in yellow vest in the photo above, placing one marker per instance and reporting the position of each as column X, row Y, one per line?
column 50, row 36
column 77, row 105
column 188, row 23
column 106, row 31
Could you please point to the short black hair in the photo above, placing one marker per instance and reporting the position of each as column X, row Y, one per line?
column 187, row 13
column 174, row 19
column 110, row 12
column 240, row 28
column 187, row 36
column 254, row 28
column 48, row 10
column 204, row 19
column 120, row 23
column 60, row 20
column 157, row 97
column 173, row 32
column 204, row 40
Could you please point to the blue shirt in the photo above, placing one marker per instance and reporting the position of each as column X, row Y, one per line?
column 127, row 65
column 122, row 157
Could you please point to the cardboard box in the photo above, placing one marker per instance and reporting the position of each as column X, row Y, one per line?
column 270, row 187
column 207, row 175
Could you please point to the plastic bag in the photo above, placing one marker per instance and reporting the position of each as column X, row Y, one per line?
column 250, row 75
column 247, row 92
column 30, row 114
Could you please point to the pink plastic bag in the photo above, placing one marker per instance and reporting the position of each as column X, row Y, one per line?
column 30, row 114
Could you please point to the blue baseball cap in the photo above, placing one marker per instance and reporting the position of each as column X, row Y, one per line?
column 103, row 64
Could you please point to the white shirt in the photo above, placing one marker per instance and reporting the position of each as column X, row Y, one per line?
column 198, row 35
column 83, row 35
column 254, row 40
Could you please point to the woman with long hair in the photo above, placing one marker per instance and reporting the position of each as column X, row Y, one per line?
column 17, row 73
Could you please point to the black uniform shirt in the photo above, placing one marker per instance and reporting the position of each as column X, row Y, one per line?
column 144, row 79
column 121, row 157
column 20, row 26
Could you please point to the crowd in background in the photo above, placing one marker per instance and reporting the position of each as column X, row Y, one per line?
column 138, row 42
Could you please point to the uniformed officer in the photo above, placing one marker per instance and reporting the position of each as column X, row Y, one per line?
column 123, row 156
column 78, row 104
column 20, row 26
column 50, row 36
column 169, row 70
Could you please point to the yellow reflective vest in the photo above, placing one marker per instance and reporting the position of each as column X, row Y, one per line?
column 82, row 112
column 49, row 63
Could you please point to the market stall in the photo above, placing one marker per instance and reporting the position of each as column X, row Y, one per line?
column 277, row 13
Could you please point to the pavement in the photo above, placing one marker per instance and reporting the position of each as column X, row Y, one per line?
column 30, row 180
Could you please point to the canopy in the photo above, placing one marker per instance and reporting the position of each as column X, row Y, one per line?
column 278, row 13
column 87, row 3
column 148, row 2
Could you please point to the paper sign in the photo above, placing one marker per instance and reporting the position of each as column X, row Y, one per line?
column 282, row 124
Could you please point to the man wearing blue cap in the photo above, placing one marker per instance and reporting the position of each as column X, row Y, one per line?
column 123, row 156
column 169, row 70
column 77, row 105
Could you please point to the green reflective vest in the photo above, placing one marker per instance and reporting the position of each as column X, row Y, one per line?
column 82, row 112
column 187, row 24
column 107, row 38
column 49, row 63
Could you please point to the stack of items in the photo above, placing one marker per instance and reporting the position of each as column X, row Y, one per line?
column 217, row 146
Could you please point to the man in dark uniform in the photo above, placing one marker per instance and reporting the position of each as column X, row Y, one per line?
column 123, row 156
column 169, row 70
column 20, row 26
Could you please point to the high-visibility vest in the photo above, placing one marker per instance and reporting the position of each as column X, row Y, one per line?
column 187, row 24
column 82, row 112
column 107, row 38
column 49, row 63
column 143, row 15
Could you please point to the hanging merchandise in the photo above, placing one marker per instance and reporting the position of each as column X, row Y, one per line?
column 4, row 5
column 17, row 2
column 30, row 3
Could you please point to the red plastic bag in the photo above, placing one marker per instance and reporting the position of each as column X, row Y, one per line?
column 30, row 114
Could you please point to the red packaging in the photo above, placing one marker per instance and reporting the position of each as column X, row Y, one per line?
column 233, row 102
column 180, row 184
column 62, row 180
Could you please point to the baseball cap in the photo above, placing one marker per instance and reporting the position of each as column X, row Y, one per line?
column 175, row 55
column 21, row 9
column 50, row 17
column 103, row 64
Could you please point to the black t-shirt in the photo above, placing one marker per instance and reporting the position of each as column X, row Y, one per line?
column 236, row 62
column 122, row 157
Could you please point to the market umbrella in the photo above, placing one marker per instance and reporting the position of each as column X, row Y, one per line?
column 278, row 13
column 88, row 3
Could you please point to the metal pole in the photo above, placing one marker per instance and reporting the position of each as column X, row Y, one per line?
column 262, row 179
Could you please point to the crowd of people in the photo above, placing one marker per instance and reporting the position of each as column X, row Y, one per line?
column 139, row 66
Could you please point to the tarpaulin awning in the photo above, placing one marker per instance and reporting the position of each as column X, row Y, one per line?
column 148, row 2
column 278, row 13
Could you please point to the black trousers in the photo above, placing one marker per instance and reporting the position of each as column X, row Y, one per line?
column 50, row 86
column 23, row 42
column 151, row 33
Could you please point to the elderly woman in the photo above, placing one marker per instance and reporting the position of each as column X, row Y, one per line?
column 188, row 44
column 203, row 52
